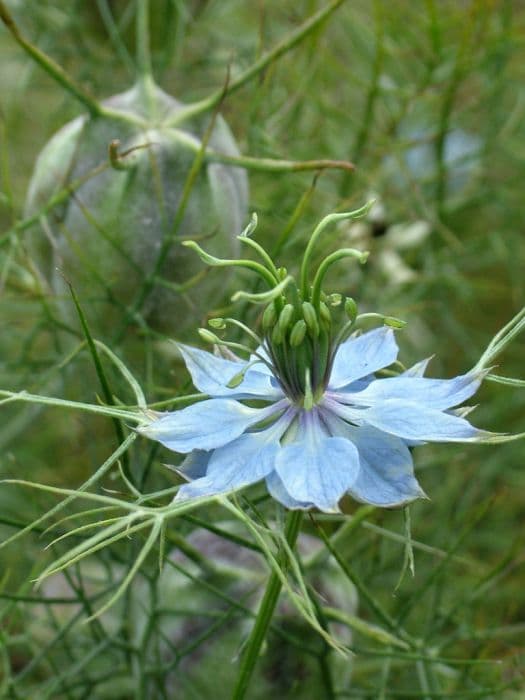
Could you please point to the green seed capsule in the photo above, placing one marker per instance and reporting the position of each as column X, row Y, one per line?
column 115, row 211
column 298, row 333
column 311, row 318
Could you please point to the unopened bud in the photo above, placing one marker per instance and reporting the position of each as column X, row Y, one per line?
column 298, row 333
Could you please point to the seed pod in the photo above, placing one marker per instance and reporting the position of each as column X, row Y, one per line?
column 107, row 234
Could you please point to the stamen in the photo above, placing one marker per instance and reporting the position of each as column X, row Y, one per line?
column 308, row 401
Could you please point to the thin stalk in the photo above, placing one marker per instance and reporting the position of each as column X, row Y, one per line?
column 287, row 44
column 49, row 65
column 271, row 165
column 143, row 53
column 265, row 614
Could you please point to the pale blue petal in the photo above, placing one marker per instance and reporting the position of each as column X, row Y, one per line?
column 417, row 370
column 440, row 394
column 362, row 355
column 386, row 477
column 194, row 465
column 317, row 468
column 244, row 461
column 410, row 421
column 211, row 374
column 279, row 493
column 240, row 463
column 207, row 425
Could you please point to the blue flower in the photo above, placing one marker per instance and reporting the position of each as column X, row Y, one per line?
column 318, row 424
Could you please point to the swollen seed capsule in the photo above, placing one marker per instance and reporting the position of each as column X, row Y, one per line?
column 311, row 318
column 298, row 333
column 269, row 317
column 285, row 318
column 113, row 233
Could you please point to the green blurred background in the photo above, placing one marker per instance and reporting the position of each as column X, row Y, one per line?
column 428, row 101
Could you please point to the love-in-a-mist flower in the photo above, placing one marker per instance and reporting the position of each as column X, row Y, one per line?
column 309, row 411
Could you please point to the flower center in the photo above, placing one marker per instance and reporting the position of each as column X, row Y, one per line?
column 298, row 341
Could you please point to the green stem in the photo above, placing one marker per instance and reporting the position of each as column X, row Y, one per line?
column 143, row 57
column 49, row 65
column 327, row 262
column 9, row 396
column 282, row 47
column 276, row 165
column 145, row 80
column 269, row 165
column 321, row 226
column 265, row 614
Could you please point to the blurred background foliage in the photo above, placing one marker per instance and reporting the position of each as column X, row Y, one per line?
column 427, row 100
